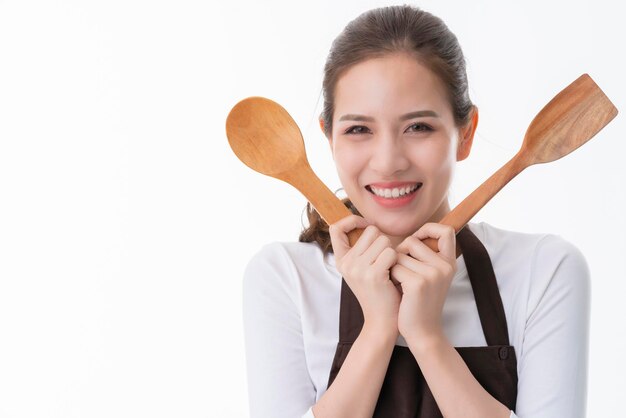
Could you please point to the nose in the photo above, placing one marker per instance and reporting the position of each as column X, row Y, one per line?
column 388, row 156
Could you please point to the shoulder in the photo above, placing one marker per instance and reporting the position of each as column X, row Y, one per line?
column 287, row 255
column 286, row 264
column 545, row 264
column 516, row 246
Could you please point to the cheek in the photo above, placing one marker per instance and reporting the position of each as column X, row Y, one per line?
column 441, row 167
column 434, row 157
column 349, row 161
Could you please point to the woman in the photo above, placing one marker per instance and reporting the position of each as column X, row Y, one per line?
column 389, row 327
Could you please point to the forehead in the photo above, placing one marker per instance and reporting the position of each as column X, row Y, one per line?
column 390, row 85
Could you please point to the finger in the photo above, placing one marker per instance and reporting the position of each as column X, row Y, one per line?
column 365, row 241
column 425, row 261
column 376, row 248
column 445, row 236
column 419, row 268
column 393, row 271
column 403, row 275
column 338, row 232
column 386, row 260
column 409, row 262
column 418, row 250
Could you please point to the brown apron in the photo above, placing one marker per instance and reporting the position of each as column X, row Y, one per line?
column 404, row 392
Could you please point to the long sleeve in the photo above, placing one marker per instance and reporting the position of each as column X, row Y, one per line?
column 554, row 356
column 279, row 384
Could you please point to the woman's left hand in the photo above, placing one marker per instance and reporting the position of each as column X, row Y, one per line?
column 424, row 276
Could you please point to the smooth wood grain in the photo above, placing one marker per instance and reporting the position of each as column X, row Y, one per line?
column 570, row 119
column 265, row 137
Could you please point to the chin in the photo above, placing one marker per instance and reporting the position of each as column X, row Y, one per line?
column 396, row 230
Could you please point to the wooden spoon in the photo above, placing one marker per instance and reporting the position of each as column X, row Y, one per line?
column 267, row 139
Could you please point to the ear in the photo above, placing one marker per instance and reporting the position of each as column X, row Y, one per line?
column 329, row 137
column 466, row 136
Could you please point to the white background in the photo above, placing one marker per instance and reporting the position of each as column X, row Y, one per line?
column 126, row 221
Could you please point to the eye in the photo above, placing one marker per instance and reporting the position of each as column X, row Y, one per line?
column 355, row 130
column 420, row 127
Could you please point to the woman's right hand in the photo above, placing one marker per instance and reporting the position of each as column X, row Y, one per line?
column 365, row 268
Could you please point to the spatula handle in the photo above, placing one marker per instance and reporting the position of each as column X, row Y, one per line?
column 465, row 211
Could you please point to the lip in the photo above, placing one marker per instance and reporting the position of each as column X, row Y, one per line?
column 397, row 202
column 392, row 184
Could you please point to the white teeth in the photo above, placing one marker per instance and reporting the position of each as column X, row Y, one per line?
column 395, row 192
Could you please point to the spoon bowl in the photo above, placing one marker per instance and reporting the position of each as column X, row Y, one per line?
column 264, row 136
column 267, row 139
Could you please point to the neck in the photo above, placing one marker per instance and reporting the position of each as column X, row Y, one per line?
column 439, row 214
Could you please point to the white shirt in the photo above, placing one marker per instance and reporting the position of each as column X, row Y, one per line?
column 291, row 298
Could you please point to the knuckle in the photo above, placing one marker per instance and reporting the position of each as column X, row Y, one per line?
column 449, row 270
column 430, row 273
column 411, row 240
column 389, row 256
column 384, row 239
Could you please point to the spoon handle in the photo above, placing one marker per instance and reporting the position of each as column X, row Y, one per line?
column 330, row 208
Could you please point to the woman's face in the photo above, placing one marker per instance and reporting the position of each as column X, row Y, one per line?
column 393, row 129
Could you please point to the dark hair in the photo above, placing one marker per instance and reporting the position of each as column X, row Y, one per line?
column 379, row 32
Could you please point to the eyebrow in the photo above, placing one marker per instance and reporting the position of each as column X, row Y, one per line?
column 411, row 115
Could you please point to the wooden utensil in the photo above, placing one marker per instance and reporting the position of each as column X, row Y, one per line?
column 569, row 120
column 267, row 139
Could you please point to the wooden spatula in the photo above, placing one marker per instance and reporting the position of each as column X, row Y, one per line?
column 568, row 121
column 267, row 139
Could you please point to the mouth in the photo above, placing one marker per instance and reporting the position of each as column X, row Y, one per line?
column 397, row 192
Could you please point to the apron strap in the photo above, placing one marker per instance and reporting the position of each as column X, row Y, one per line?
column 350, row 315
column 485, row 288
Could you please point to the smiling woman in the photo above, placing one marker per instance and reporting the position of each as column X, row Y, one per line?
column 419, row 146
column 389, row 327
